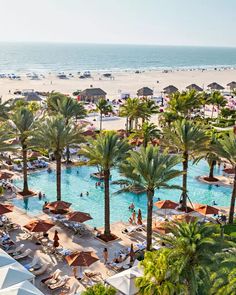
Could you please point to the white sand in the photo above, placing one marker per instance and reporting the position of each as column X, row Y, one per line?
column 124, row 82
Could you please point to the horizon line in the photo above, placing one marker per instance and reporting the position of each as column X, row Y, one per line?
column 122, row 44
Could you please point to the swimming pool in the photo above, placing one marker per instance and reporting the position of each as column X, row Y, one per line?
column 77, row 180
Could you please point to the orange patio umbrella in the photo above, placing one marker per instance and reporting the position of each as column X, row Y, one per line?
column 166, row 204
column 81, row 258
column 5, row 209
column 78, row 216
column 39, row 226
column 58, row 206
column 206, row 209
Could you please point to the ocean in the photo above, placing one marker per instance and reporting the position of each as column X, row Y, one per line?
column 53, row 57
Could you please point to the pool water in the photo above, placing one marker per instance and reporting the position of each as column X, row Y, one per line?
column 77, row 180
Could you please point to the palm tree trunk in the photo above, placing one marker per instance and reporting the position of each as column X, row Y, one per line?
column 211, row 172
column 107, row 230
column 150, row 194
column 58, row 169
column 233, row 197
column 100, row 121
column 184, row 195
column 25, row 176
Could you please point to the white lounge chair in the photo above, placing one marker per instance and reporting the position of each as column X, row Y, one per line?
column 61, row 283
column 74, row 288
column 23, row 255
column 16, row 251
column 132, row 229
column 41, row 270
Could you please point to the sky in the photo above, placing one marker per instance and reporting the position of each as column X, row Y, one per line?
column 161, row 22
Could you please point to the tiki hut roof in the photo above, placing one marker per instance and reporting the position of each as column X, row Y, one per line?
column 145, row 91
column 32, row 96
column 93, row 92
column 232, row 85
column 170, row 89
column 194, row 87
column 215, row 86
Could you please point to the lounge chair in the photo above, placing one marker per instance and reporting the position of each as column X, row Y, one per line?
column 121, row 265
column 16, row 251
column 17, row 167
column 52, row 278
column 30, row 166
column 41, row 270
column 132, row 229
column 74, row 288
column 23, row 255
column 61, row 283
column 94, row 276
column 33, row 263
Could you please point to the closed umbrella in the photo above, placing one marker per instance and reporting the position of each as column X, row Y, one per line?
column 56, row 239
column 39, row 226
column 139, row 219
column 78, row 216
column 131, row 253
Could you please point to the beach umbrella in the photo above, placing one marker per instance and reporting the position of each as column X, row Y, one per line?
column 166, row 204
column 5, row 175
column 185, row 218
column 83, row 258
column 232, row 85
column 58, row 206
column 56, row 239
column 170, row 89
column 194, row 87
column 206, row 209
column 139, row 219
column 161, row 227
column 78, row 216
column 5, row 209
column 23, row 288
column 39, row 226
column 125, row 281
column 215, row 86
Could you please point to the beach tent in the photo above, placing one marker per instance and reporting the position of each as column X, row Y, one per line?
column 170, row 89
column 215, row 86
column 194, row 87
column 13, row 274
column 145, row 91
column 5, row 259
column 23, row 288
column 125, row 281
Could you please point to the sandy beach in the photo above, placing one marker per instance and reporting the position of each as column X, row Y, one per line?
column 124, row 82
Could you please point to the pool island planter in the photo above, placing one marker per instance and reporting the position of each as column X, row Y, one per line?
column 27, row 194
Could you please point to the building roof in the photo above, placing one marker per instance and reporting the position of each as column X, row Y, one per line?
column 194, row 87
column 170, row 89
column 93, row 92
column 145, row 91
column 215, row 86
column 32, row 96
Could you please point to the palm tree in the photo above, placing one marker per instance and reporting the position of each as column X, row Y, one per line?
column 190, row 140
column 193, row 247
column 223, row 276
column 226, row 148
column 107, row 151
column 103, row 107
column 22, row 122
column 150, row 169
column 147, row 132
column 147, row 108
column 99, row 289
column 68, row 107
column 131, row 109
column 159, row 278
column 55, row 135
column 218, row 100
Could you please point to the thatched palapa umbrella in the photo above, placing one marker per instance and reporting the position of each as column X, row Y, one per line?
column 170, row 89
column 215, row 86
column 232, row 85
column 194, row 87
column 144, row 92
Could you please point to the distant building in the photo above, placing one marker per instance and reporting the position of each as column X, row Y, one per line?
column 92, row 94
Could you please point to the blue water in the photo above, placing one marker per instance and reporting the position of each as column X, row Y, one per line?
column 43, row 57
column 73, row 184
